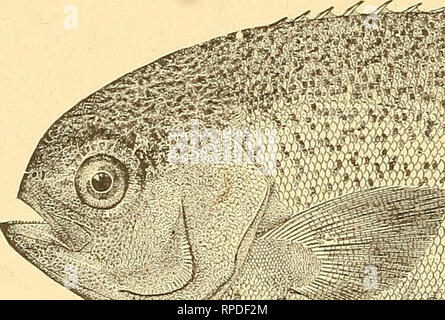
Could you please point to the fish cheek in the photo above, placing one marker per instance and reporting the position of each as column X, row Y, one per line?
column 151, row 254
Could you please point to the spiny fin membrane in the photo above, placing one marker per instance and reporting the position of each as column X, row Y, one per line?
column 385, row 229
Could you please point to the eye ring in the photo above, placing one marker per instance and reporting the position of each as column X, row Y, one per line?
column 101, row 181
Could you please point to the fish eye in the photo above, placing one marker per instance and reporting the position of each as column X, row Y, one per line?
column 101, row 181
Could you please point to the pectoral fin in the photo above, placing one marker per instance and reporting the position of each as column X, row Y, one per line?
column 367, row 241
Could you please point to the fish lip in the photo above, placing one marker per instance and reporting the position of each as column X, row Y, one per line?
column 58, row 230
column 82, row 290
column 6, row 226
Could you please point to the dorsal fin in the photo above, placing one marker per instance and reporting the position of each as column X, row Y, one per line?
column 302, row 16
column 352, row 10
column 413, row 8
column 325, row 14
column 382, row 9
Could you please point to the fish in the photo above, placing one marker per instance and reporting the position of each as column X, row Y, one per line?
column 342, row 195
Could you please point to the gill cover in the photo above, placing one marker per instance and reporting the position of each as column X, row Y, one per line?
column 224, row 210
column 222, row 206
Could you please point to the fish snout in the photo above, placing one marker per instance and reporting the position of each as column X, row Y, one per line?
column 69, row 233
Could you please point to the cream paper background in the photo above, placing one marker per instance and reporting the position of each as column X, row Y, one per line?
column 46, row 69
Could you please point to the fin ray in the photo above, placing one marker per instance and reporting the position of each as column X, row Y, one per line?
column 387, row 228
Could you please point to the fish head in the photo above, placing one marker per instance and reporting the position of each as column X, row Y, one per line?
column 120, row 220
column 102, row 217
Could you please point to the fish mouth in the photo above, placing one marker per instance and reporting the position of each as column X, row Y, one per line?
column 37, row 243
column 48, row 245
column 49, row 232
column 58, row 229
column 39, row 231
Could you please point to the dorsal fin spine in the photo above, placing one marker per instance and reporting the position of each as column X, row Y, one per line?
column 324, row 13
column 303, row 16
column 413, row 8
column 382, row 8
column 352, row 10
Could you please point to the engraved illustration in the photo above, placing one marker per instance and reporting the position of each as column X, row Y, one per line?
column 299, row 160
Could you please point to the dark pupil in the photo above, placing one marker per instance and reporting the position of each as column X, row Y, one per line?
column 102, row 182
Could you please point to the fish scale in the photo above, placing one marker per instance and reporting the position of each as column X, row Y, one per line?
column 364, row 116
column 354, row 108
